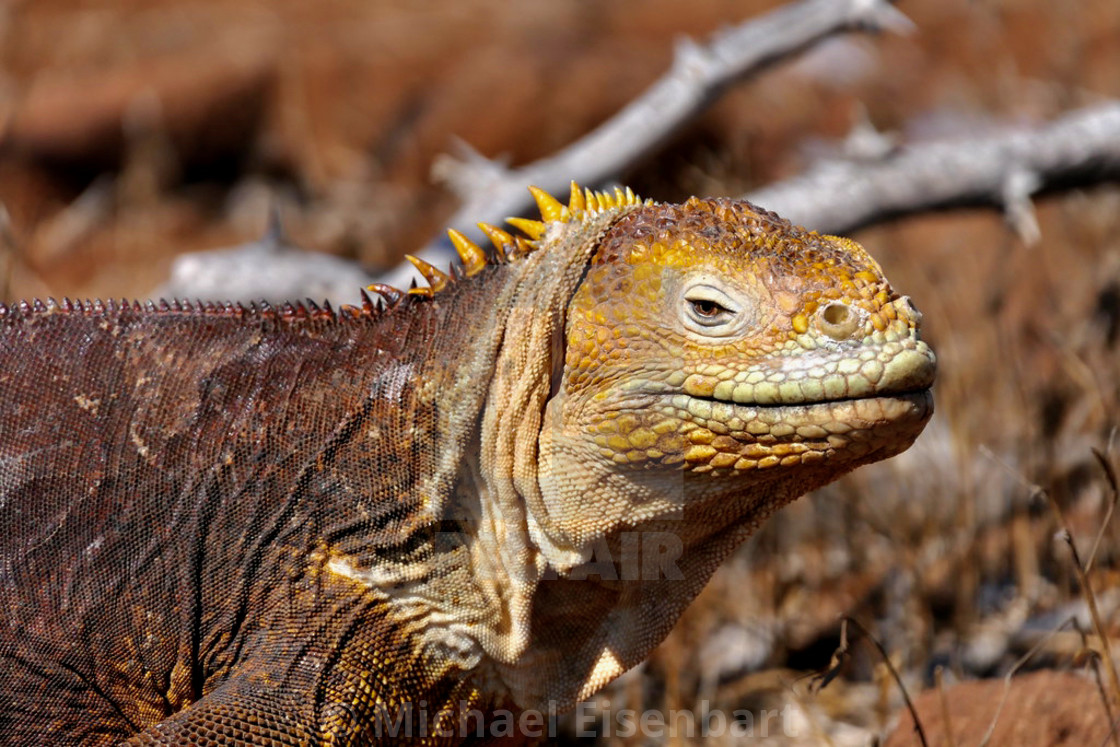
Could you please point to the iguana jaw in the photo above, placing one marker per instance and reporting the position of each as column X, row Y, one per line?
column 669, row 451
column 871, row 395
column 726, row 438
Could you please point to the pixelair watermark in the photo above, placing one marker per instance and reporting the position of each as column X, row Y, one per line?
column 629, row 556
column 589, row 719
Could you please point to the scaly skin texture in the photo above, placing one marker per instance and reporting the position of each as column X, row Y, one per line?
column 245, row 526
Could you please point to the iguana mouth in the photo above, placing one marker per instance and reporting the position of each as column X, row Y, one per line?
column 802, row 421
column 901, row 394
column 894, row 369
column 813, row 408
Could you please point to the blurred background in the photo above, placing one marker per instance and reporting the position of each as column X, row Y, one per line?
column 132, row 131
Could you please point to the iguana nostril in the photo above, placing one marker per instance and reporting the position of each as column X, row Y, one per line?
column 838, row 321
column 908, row 311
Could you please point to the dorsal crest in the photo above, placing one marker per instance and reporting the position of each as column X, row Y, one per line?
column 583, row 205
column 559, row 224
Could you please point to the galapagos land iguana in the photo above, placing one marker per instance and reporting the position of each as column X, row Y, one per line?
column 231, row 525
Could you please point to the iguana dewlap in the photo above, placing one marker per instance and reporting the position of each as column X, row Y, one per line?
column 222, row 525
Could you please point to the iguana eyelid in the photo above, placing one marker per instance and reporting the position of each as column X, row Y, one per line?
column 728, row 321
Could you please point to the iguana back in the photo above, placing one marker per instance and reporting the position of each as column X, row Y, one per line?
column 173, row 484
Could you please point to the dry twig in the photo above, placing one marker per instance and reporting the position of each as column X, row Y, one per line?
column 843, row 651
column 1013, row 671
column 1090, row 599
column 943, row 702
column 699, row 74
column 1110, row 475
column 1003, row 170
column 1092, row 661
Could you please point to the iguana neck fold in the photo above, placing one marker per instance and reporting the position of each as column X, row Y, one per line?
column 493, row 405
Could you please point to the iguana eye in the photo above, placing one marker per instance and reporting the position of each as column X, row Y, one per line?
column 706, row 307
column 710, row 311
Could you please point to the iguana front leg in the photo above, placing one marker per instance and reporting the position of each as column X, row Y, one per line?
column 333, row 667
column 250, row 709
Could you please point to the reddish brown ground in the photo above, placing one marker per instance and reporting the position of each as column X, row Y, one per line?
column 1041, row 709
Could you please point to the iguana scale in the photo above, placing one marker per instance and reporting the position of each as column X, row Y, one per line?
column 231, row 525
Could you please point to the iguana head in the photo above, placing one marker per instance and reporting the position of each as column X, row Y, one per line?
column 713, row 350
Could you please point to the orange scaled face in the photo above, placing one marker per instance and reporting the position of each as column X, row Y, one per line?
column 715, row 337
